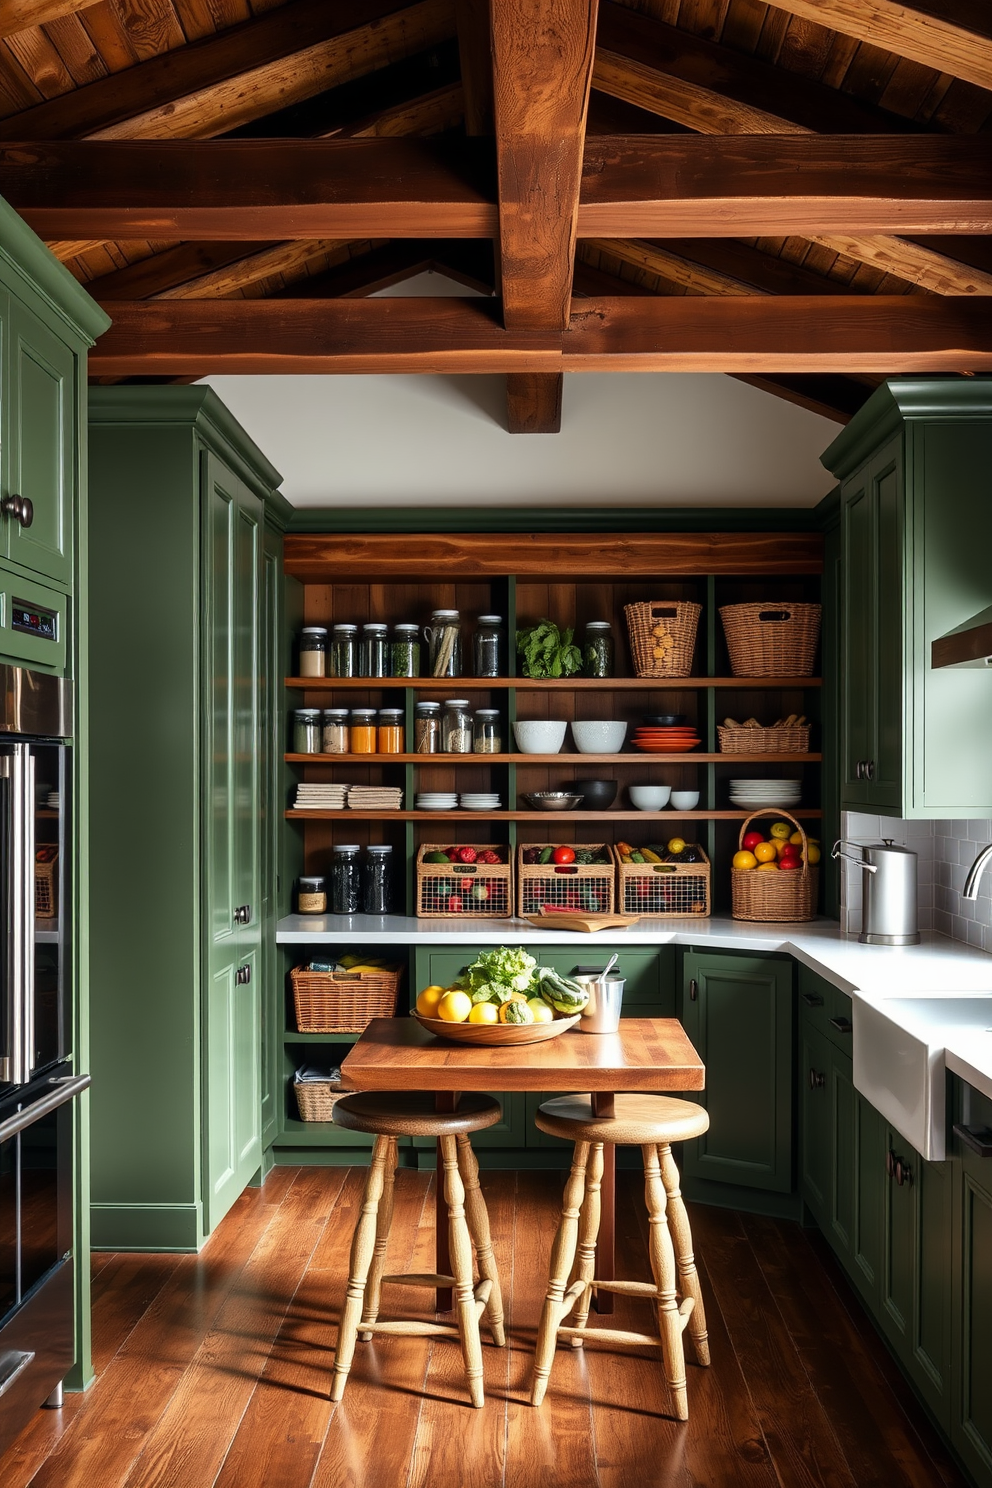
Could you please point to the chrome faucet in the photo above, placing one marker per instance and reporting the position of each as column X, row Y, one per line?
column 970, row 890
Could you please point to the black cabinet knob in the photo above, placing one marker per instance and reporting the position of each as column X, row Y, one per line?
column 693, row 990
column 816, row 1080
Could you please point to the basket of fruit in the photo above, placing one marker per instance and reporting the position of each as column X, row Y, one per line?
column 775, row 877
column 574, row 876
column 466, row 880
column 662, row 636
column 504, row 997
column 777, row 639
column 664, row 880
column 784, row 736
column 344, row 996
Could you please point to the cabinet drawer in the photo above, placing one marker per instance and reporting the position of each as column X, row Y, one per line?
column 33, row 623
column 826, row 1009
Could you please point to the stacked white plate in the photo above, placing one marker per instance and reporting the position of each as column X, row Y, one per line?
column 437, row 801
column 479, row 801
column 320, row 796
column 753, row 794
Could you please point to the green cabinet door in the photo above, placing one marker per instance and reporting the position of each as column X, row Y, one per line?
column 270, row 824
column 899, row 1219
column 815, row 1145
column 857, row 672
column 738, row 1012
column 971, row 1428
column 930, row 1358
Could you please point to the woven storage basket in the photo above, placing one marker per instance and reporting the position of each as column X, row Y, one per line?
column 315, row 1098
column 774, row 897
column 777, row 639
column 45, row 866
column 678, row 619
column 439, row 883
column 664, row 890
column 763, row 740
column 586, row 888
column 343, row 1001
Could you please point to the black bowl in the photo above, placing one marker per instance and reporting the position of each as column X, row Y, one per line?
column 664, row 720
column 597, row 795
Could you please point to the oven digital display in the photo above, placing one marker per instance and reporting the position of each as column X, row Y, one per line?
column 33, row 620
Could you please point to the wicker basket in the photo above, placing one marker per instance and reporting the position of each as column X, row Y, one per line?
column 343, row 1001
column 440, row 884
column 774, row 897
column 665, row 626
column 586, row 888
column 777, row 639
column 45, row 866
column 665, row 890
column 315, row 1098
column 763, row 740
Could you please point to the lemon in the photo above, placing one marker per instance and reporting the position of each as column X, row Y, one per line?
column 538, row 1006
column 812, row 853
column 484, row 1012
column 454, row 1007
column 765, row 852
column 764, row 867
column 676, row 845
column 428, row 1000
column 744, row 860
column 780, row 829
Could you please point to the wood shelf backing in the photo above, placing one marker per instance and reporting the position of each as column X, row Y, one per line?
column 694, row 757
column 537, row 816
column 532, row 684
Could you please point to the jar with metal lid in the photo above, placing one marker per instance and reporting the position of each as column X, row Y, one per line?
column 444, row 638
column 341, row 651
column 487, row 646
column 486, row 734
column 311, row 896
column 313, row 651
column 377, row 887
column 597, row 650
column 427, row 728
column 336, row 734
column 346, row 889
column 405, row 651
column 374, row 650
column 456, row 727
column 363, row 739
column 306, row 731
column 390, row 738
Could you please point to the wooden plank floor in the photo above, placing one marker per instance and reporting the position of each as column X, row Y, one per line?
column 214, row 1369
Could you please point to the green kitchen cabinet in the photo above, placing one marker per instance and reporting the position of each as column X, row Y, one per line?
column 738, row 1012
column 181, row 750
column 971, row 1418
column 916, row 528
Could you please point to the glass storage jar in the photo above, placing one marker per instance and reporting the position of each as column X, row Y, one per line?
column 597, row 649
column 486, row 733
column 456, row 727
column 311, row 896
column 363, row 740
column 306, row 731
column 390, row 740
column 375, row 650
column 336, row 734
column 345, row 880
column 341, row 651
column 377, row 888
column 444, row 638
column 487, row 646
column 313, row 651
column 405, row 651
column 427, row 728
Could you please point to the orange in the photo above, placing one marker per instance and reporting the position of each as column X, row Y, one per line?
column 765, row 852
column 745, row 860
column 428, row 1000
column 764, row 867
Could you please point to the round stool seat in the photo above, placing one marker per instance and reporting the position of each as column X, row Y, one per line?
column 639, row 1119
column 411, row 1113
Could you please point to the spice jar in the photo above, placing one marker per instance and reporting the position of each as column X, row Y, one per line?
column 444, row 637
column 311, row 897
column 345, row 880
column 375, row 651
column 597, row 651
column 456, row 727
column 405, row 651
column 306, row 731
column 341, row 651
column 427, row 728
column 363, row 739
column 377, row 888
column 390, row 731
column 313, row 651
column 336, row 734
column 487, row 646
column 486, row 736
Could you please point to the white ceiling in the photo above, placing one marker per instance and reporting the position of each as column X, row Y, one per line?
column 627, row 439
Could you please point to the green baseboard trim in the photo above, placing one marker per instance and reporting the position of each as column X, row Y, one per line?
column 259, row 1176
column 748, row 1200
column 146, row 1227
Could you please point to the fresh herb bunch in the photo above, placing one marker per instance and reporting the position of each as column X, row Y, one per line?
column 548, row 651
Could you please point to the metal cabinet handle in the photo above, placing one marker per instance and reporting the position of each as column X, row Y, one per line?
column 890, row 1163
column 978, row 1138
column 812, row 999
column 869, row 769
column 859, row 770
column 693, row 990
column 242, row 976
column 842, row 1025
column 903, row 1173
column 816, row 1080
column 242, row 915
column 21, row 508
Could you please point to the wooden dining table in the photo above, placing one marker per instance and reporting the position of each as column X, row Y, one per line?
column 646, row 1054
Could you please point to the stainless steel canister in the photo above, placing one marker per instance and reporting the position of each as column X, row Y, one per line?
column 601, row 1013
column 889, row 891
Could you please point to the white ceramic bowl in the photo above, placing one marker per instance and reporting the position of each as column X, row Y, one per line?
column 649, row 797
column 685, row 800
column 598, row 736
column 540, row 735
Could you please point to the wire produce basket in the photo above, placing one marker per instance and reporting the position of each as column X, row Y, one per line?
column 450, row 890
column 665, row 890
column 583, row 888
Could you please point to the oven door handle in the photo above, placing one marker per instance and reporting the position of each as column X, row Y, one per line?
column 64, row 1090
column 17, row 766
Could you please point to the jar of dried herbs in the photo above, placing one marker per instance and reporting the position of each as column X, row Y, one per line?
column 597, row 649
column 487, row 646
column 444, row 638
column 306, row 731
column 456, row 727
column 427, row 728
column 313, row 651
column 341, row 651
column 405, row 651
column 374, row 660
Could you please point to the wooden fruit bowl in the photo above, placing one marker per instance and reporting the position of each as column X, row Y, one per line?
column 496, row 1033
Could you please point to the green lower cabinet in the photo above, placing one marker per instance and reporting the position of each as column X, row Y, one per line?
column 971, row 1422
column 816, row 1150
column 866, row 1160
column 649, row 974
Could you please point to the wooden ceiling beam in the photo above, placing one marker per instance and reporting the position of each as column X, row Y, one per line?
column 18, row 15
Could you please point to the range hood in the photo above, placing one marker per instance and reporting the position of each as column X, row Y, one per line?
column 967, row 645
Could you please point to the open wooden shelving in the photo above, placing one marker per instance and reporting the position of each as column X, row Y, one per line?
column 562, row 818
column 693, row 757
column 535, row 684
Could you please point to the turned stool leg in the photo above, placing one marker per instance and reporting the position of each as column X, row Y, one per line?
column 684, row 1259
column 478, row 1227
column 460, row 1248
column 562, row 1256
column 663, row 1268
column 361, row 1258
column 383, row 1222
column 585, row 1268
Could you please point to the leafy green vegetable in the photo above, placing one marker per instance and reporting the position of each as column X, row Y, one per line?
column 497, row 973
column 548, row 652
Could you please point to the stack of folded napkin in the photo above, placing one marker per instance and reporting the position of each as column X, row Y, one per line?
column 375, row 798
column 314, row 796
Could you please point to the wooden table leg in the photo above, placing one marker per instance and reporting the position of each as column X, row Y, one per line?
column 444, row 1100
column 603, row 1105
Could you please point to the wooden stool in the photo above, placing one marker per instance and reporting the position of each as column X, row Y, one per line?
column 412, row 1114
column 653, row 1122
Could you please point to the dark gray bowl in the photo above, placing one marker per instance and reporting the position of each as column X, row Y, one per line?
column 664, row 720
column 598, row 794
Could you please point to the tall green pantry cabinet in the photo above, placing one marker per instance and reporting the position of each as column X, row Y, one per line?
column 184, row 510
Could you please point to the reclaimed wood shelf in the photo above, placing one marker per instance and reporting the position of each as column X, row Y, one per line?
column 550, row 817
column 551, row 684
column 642, row 757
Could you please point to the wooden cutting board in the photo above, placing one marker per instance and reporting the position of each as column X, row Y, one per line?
column 588, row 922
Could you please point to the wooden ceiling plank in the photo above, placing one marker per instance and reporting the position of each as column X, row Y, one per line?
column 18, row 15
column 179, row 264
column 475, row 57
